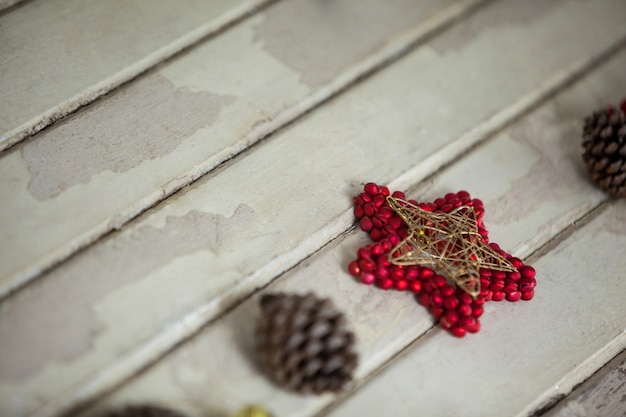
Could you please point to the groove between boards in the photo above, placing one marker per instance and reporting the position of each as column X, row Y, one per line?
column 537, row 253
column 390, row 53
column 158, row 346
column 128, row 74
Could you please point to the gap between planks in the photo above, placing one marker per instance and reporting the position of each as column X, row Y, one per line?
column 144, row 356
column 537, row 253
column 168, row 52
column 7, row 6
column 586, row 393
column 394, row 50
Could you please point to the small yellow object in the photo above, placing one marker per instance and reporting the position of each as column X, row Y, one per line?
column 252, row 411
column 448, row 242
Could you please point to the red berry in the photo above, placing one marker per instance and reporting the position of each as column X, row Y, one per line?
column 384, row 190
column 378, row 200
column 375, row 234
column 463, row 194
column 399, row 194
column 466, row 321
column 514, row 275
column 411, row 273
column 401, row 285
column 446, row 208
column 359, row 212
column 436, row 311
column 498, row 275
column 458, row 331
column 444, row 323
column 474, row 328
column 450, row 302
column 396, row 273
column 371, row 188
column 464, row 310
column 452, row 316
column 514, row 296
column 477, row 311
column 386, row 212
column 447, row 290
column 440, row 280
column 528, row 295
column 527, row 284
column 436, row 298
column 427, row 273
column 527, row 271
column 424, row 299
column 369, row 209
column 366, row 224
column 367, row 278
column 381, row 273
column 416, row 286
column 384, row 283
column 354, row 269
column 498, row 295
column 395, row 222
column 367, row 265
column 496, row 285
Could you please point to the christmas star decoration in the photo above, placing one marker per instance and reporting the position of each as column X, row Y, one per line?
column 441, row 252
column 448, row 242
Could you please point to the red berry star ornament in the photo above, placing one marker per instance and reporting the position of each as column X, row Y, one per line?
column 440, row 251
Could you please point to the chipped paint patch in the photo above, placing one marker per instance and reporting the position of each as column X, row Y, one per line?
column 335, row 34
column 86, row 279
column 502, row 15
column 144, row 121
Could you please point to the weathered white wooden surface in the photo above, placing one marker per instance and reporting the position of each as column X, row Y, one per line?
column 57, row 55
column 533, row 184
column 526, row 354
column 195, row 112
column 602, row 395
column 133, row 296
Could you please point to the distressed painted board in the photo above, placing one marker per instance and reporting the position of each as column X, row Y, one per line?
column 602, row 395
column 5, row 4
column 216, row 372
column 527, row 355
column 139, row 292
column 58, row 55
column 99, row 168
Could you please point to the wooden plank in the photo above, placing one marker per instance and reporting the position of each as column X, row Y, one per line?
column 604, row 394
column 117, row 161
column 5, row 4
column 533, row 184
column 526, row 355
column 58, row 55
column 135, row 295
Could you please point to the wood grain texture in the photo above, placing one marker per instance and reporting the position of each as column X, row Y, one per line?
column 150, row 138
column 136, row 294
column 216, row 372
column 73, row 56
column 603, row 395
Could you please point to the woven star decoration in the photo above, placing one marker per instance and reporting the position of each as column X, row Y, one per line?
column 440, row 251
column 449, row 242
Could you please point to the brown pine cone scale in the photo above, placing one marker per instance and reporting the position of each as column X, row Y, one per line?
column 304, row 344
column 604, row 150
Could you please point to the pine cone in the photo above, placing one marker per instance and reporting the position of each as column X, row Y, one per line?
column 304, row 344
column 144, row 411
column 604, row 143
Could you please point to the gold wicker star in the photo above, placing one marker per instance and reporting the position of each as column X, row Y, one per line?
column 449, row 242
